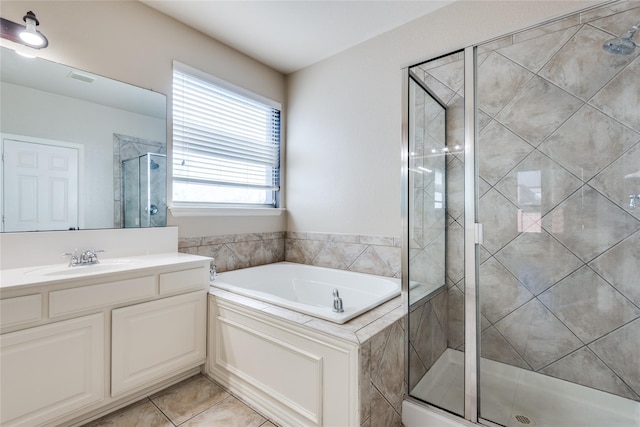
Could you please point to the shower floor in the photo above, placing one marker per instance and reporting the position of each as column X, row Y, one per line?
column 516, row 397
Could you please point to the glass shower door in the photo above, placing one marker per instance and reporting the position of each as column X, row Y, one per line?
column 435, row 193
column 144, row 191
column 559, row 161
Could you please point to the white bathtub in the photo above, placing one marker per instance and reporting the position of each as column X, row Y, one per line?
column 309, row 289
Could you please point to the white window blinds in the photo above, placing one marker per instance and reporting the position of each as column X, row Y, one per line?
column 226, row 146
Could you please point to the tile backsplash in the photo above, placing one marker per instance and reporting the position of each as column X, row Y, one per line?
column 364, row 254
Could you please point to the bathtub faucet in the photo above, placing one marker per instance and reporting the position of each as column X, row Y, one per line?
column 337, row 302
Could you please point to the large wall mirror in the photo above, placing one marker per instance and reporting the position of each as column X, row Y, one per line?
column 80, row 151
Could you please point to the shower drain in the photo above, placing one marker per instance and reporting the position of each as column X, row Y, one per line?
column 524, row 420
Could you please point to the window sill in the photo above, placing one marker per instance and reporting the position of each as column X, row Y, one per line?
column 223, row 211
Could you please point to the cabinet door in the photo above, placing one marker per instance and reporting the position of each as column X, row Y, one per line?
column 51, row 370
column 156, row 339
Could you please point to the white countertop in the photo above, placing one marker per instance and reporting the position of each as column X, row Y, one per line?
column 61, row 273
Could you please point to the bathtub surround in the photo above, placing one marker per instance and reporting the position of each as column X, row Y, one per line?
column 234, row 251
column 377, row 255
column 379, row 334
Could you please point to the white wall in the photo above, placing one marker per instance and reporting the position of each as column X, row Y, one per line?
column 344, row 115
column 131, row 42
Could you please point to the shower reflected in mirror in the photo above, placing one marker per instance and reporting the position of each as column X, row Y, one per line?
column 144, row 191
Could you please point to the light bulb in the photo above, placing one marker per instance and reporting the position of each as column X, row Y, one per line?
column 30, row 35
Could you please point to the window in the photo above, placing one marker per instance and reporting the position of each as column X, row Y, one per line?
column 226, row 143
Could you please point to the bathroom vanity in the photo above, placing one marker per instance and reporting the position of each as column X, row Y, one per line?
column 78, row 342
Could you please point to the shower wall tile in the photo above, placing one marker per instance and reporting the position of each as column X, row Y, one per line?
column 417, row 369
column 620, row 267
column 608, row 9
column 617, row 181
column 619, row 23
column 486, row 49
column 455, row 320
column 426, row 269
column 552, row 27
column 588, row 305
column 500, row 150
column 430, row 339
column 538, row 110
column 588, row 142
column 455, row 188
column 538, row 260
column 567, row 237
column 619, row 350
column 500, row 220
column 537, row 335
column 582, row 67
column 621, row 96
column 500, row 292
column 534, row 53
column 554, row 184
column 378, row 255
column 499, row 79
column 438, row 88
column 588, row 223
column 495, row 347
column 450, row 74
column 585, row 368
column 455, row 252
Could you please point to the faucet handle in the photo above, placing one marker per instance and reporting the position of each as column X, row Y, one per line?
column 74, row 257
column 90, row 256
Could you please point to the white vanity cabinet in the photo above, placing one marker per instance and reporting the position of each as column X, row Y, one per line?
column 75, row 348
column 51, row 370
column 152, row 339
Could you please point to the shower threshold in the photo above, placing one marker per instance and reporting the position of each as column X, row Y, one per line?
column 516, row 397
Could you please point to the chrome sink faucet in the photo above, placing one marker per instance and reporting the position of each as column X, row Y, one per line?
column 87, row 257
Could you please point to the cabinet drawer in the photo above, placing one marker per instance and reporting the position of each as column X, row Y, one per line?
column 75, row 300
column 16, row 311
column 185, row 280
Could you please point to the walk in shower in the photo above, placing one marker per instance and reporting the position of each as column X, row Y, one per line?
column 522, row 227
column 144, row 190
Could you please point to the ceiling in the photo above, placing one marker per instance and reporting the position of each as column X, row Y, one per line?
column 290, row 35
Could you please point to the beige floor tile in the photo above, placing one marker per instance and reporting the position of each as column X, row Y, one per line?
column 188, row 398
column 139, row 414
column 229, row 413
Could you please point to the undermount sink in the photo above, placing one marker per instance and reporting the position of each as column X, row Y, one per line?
column 105, row 265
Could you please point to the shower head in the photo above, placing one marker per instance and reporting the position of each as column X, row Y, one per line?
column 622, row 45
column 153, row 165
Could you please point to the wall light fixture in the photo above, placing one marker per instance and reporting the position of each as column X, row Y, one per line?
column 27, row 35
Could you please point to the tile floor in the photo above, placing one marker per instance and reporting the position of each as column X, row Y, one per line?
column 196, row 401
